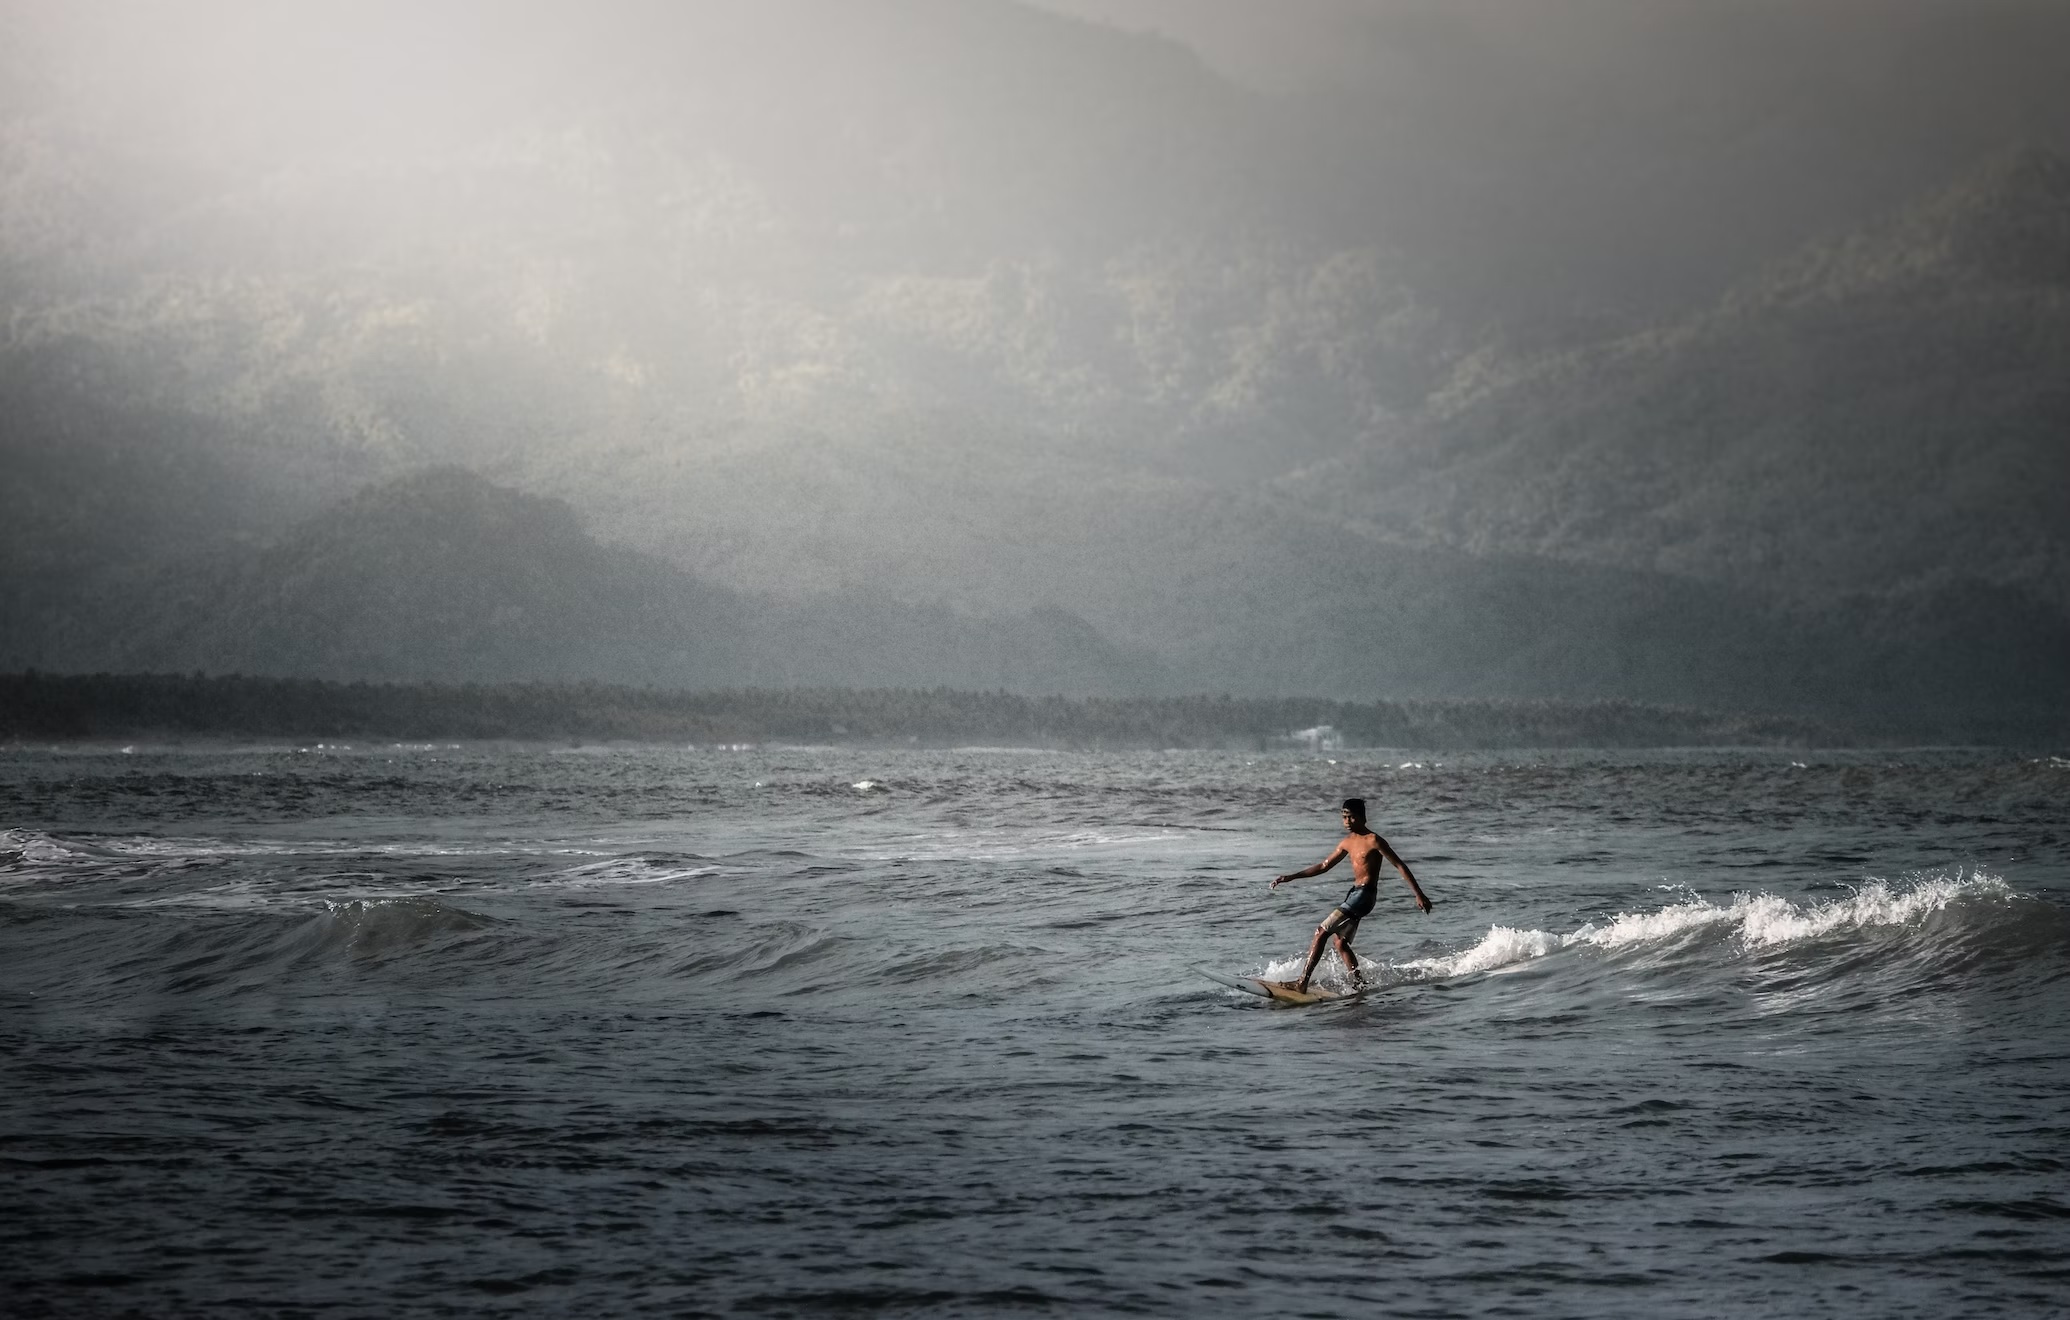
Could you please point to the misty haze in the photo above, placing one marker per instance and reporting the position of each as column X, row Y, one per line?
column 1699, row 354
column 446, row 438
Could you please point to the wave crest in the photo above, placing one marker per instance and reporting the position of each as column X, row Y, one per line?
column 378, row 925
column 1750, row 923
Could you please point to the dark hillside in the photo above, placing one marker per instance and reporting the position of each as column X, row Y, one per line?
column 2004, row 226
column 104, row 477
column 436, row 575
column 1882, row 414
column 442, row 575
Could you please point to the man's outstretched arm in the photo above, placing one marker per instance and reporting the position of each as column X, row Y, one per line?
column 1403, row 867
column 1316, row 869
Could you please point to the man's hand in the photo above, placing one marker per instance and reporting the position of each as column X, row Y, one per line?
column 1279, row 881
column 1422, row 902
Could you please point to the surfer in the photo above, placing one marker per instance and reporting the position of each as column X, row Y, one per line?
column 1366, row 851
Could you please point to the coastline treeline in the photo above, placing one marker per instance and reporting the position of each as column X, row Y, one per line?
column 86, row 707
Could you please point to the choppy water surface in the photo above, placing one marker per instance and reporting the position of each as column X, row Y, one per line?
column 433, row 1030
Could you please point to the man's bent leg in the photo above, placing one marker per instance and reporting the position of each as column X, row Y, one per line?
column 1315, row 946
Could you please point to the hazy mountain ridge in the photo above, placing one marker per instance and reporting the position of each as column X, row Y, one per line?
column 869, row 328
column 1626, row 161
column 1884, row 412
column 441, row 575
column 1029, row 219
column 2003, row 227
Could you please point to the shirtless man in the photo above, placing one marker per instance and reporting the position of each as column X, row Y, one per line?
column 1366, row 851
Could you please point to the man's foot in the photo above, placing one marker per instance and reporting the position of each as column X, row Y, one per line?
column 1301, row 986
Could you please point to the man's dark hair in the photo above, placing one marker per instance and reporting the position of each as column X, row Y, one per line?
column 1357, row 808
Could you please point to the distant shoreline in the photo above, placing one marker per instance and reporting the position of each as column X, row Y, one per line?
column 103, row 707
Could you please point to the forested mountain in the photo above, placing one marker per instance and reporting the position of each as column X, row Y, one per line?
column 1887, row 412
column 441, row 575
column 953, row 340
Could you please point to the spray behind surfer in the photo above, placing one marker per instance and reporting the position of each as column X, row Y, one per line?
column 1366, row 851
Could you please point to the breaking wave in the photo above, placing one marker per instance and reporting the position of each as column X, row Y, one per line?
column 1955, row 908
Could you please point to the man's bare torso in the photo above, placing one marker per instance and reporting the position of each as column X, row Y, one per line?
column 1366, row 851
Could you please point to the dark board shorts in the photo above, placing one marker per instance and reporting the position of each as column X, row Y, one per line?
column 1359, row 901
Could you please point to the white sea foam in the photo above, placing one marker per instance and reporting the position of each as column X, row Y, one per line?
column 266, row 894
column 240, row 897
column 1754, row 921
column 1503, row 946
column 176, row 848
column 614, row 871
column 27, row 856
column 30, row 846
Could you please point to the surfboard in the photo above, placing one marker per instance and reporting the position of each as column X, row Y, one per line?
column 1281, row 991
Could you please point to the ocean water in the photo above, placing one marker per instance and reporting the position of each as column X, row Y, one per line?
column 436, row 1030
